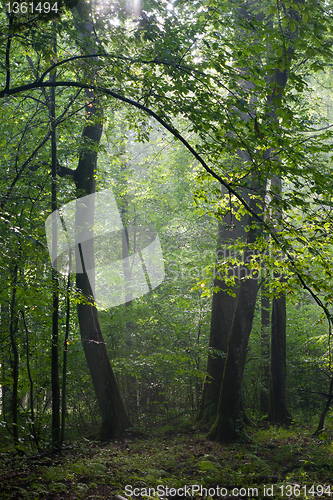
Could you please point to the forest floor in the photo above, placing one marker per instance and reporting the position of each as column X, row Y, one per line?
column 176, row 464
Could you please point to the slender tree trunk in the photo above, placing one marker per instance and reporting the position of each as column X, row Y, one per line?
column 321, row 422
column 125, row 250
column 6, row 389
column 131, row 382
column 55, row 283
column 64, row 362
column 15, row 363
column 31, row 392
column 265, row 348
column 198, row 383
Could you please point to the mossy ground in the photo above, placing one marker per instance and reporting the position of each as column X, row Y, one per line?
column 175, row 458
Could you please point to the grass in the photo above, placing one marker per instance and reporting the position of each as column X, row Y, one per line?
column 289, row 461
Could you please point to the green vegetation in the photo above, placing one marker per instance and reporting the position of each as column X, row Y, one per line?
column 174, row 459
column 206, row 128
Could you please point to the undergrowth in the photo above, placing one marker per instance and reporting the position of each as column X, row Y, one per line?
column 286, row 462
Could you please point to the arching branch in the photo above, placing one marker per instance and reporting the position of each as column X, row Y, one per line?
column 99, row 89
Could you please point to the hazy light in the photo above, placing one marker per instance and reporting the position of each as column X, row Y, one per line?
column 134, row 6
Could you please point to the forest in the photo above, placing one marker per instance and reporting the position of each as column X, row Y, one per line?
column 166, row 221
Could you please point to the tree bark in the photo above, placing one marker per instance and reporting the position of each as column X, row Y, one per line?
column 223, row 308
column 31, row 392
column 277, row 409
column 278, row 412
column 113, row 413
column 114, row 417
column 321, row 422
column 55, row 282
column 229, row 423
column 6, row 395
column 64, row 359
column 265, row 348
column 15, row 363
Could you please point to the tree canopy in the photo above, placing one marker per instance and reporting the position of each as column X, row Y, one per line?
column 201, row 116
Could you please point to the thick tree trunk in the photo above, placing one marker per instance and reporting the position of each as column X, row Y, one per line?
column 114, row 416
column 230, row 419
column 229, row 422
column 223, row 308
column 235, row 317
column 278, row 412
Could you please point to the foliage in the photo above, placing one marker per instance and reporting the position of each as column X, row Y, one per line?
column 212, row 75
column 273, row 457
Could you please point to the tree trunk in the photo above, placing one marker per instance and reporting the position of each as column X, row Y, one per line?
column 31, row 392
column 114, row 416
column 278, row 412
column 223, row 308
column 15, row 363
column 6, row 393
column 239, row 314
column 265, row 348
column 64, row 359
column 230, row 416
column 55, row 283
column 321, row 422
column 229, row 422
column 230, row 419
